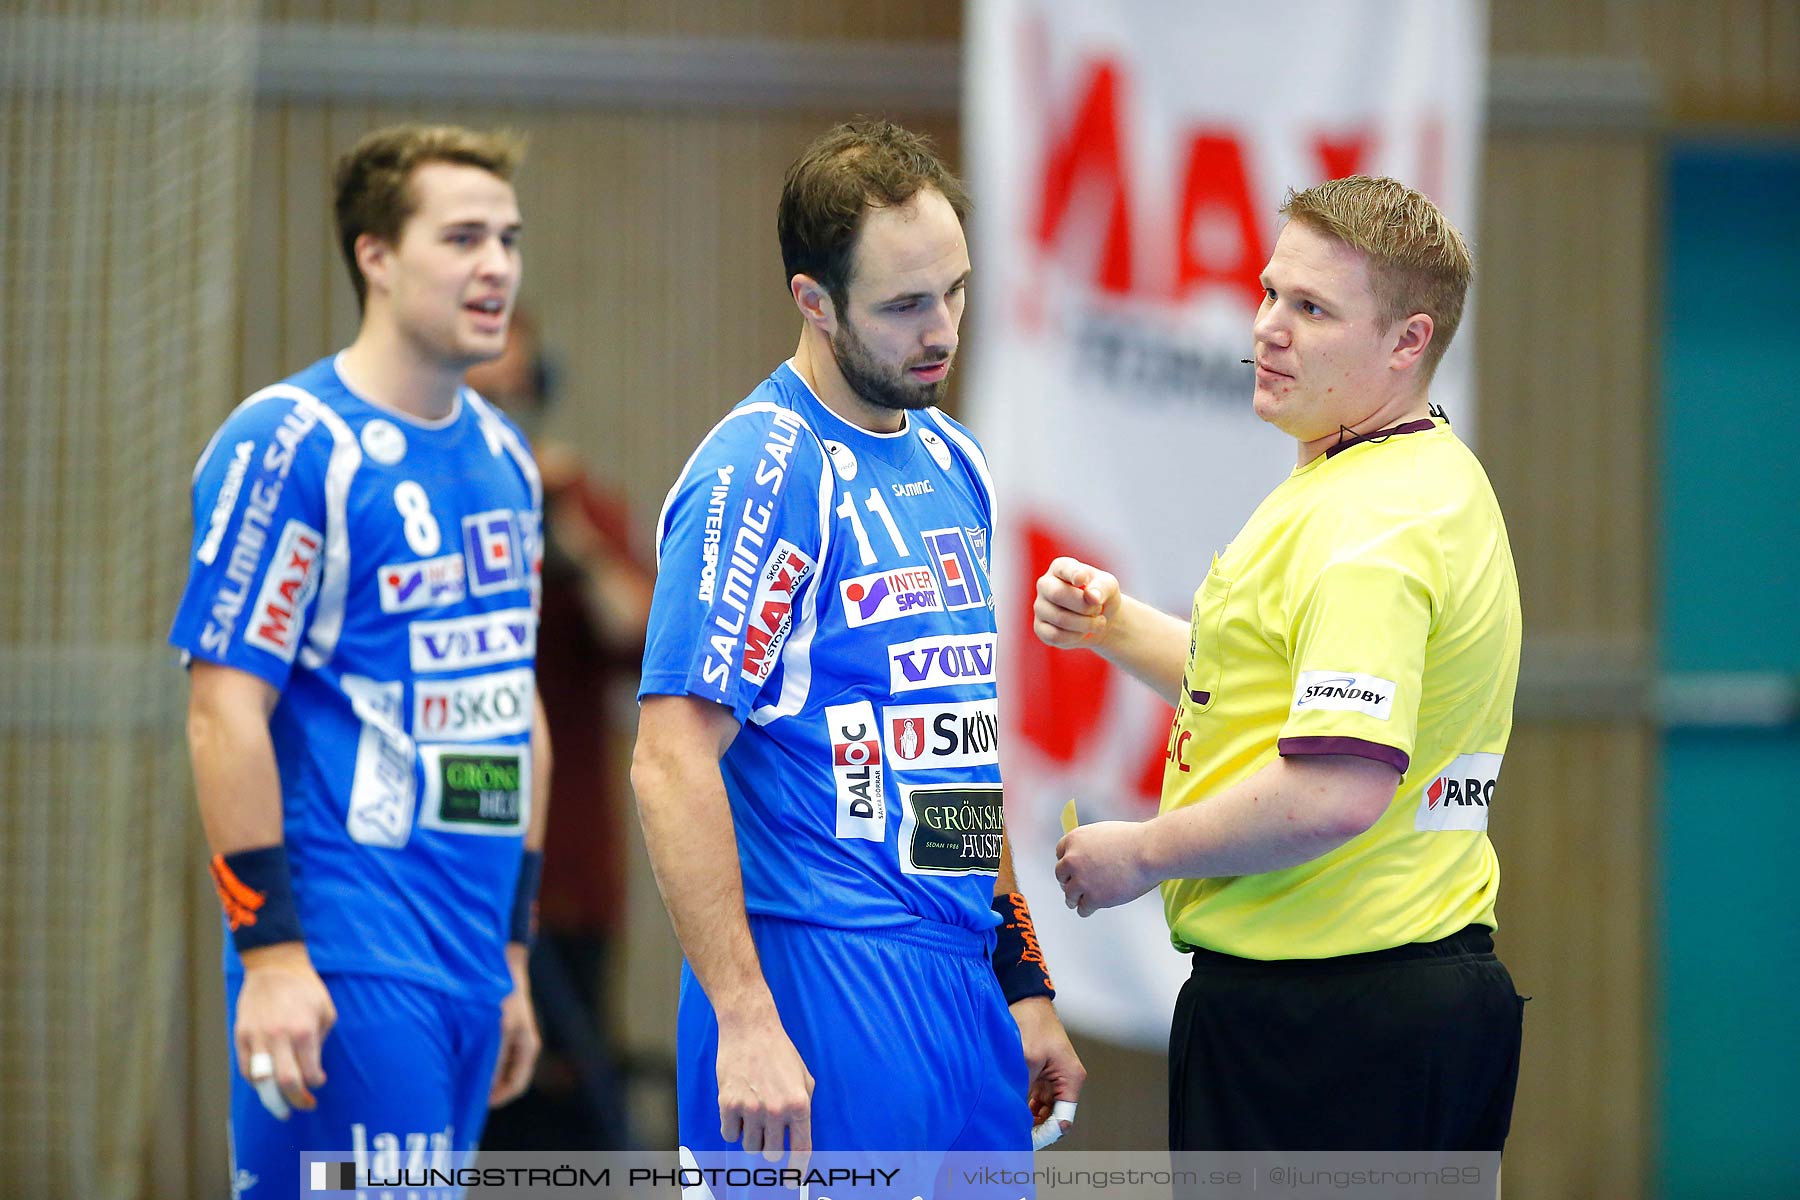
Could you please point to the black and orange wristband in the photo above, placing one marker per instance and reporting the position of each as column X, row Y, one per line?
column 1018, row 961
column 524, row 914
column 258, row 897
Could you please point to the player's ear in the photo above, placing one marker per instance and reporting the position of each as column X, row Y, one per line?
column 374, row 258
column 814, row 302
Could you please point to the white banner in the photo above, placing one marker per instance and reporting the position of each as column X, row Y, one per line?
column 1127, row 161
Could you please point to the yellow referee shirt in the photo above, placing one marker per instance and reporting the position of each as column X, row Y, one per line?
column 1368, row 607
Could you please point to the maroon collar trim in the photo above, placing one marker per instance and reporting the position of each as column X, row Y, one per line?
column 1418, row 426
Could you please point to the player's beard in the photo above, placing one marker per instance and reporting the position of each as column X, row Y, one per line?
column 875, row 382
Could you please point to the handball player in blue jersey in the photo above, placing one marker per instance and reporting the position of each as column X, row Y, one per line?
column 360, row 622
column 816, row 767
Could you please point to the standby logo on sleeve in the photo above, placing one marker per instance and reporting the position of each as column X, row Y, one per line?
column 1346, row 692
column 771, row 616
column 1459, row 797
column 887, row 595
column 288, row 587
column 426, row 583
column 473, row 708
column 929, row 662
column 856, row 767
column 927, row 737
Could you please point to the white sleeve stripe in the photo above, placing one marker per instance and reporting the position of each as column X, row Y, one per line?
column 971, row 449
column 796, row 656
column 500, row 433
column 268, row 393
column 334, row 581
column 662, row 517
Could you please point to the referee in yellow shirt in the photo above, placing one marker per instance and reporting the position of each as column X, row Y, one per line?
column 1343, row 696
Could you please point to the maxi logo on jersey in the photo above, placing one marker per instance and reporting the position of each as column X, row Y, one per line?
column 772, row 611
column 938, row 661
column 496, row 562
column 923, row 737
column 473, row 708
column 856, row 766
column 253, row 530
column 287, row 589
column 509, row 635
column 886, row 595
column 956, row 568
column 427, row 583
column 748, row 558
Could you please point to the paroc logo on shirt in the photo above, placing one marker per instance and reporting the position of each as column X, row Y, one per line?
column 1459, row 796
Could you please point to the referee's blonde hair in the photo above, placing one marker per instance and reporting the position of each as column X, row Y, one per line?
column 1418, row 262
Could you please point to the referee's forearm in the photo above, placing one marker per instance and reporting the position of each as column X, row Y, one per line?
column 1149, row 644
column 1290, row 812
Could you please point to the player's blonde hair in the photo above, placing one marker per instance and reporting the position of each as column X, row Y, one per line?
column 369, row 185
column 1418, row 262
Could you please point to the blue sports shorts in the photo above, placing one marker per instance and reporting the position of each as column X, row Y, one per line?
column 910, row 1043
column 407, row 1075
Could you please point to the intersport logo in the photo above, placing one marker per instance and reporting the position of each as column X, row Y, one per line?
column 887, row 595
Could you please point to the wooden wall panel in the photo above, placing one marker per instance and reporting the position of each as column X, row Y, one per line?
column 1574, row 834
column 1726, row 60
column 1564, row 321
column 866, row 20
column 1565, row 301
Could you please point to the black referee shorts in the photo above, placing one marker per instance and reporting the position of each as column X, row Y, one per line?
column 1413, row 1048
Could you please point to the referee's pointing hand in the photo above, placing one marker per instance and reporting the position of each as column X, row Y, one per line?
column 1076, row 605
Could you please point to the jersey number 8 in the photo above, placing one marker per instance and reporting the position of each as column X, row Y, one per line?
column 421, row 527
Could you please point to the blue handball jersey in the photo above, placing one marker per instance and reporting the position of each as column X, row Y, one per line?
column 381, row 573
column 829, row 586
